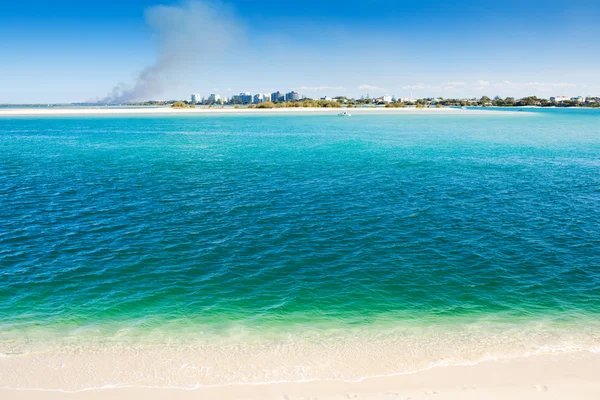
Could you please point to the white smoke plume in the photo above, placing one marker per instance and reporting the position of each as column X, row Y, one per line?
column 192, row 38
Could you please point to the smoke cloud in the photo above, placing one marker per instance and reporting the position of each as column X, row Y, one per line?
column 193, row 39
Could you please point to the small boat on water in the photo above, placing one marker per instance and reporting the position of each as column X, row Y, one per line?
column 344, row 114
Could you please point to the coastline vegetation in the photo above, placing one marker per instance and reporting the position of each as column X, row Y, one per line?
column 529, row 101
column 298, row 104
column 341, row 101
column 338, row 102
column 179, row 104
column 395, row 104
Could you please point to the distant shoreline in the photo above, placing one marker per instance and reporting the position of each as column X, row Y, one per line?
column 211, row 111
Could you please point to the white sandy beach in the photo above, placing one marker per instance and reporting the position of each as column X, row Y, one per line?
column 561, row 376
column 82, row 111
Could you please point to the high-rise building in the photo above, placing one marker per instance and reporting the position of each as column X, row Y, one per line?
column 242, row 98
column 214, row 99
column 246, row 97
column 261, row 98
column 292, row 96
column 195, row 98
column 277, row 96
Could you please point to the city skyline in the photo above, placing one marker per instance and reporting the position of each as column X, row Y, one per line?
column 256, row 98
column 144, row 50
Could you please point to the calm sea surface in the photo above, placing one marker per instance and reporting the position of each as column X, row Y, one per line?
column 154, row 227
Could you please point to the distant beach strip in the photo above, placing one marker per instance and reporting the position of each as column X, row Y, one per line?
column 81, row 111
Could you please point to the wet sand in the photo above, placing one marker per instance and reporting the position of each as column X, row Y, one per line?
column 562, row 376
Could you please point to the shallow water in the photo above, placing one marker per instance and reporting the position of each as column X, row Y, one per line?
column 436, row 233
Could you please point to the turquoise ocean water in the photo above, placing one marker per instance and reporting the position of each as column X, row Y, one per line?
column 159, row 228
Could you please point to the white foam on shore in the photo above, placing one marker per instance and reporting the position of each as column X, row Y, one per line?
column 347, row 356
column 197, row 386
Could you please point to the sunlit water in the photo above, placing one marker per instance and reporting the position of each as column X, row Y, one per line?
column 296, row 246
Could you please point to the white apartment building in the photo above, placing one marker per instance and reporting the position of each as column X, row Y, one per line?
column 261, row 98
column 215, row 99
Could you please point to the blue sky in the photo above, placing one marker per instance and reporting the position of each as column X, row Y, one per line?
column 68, row 51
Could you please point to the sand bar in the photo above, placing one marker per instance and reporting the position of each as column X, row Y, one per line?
column 72, row 111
